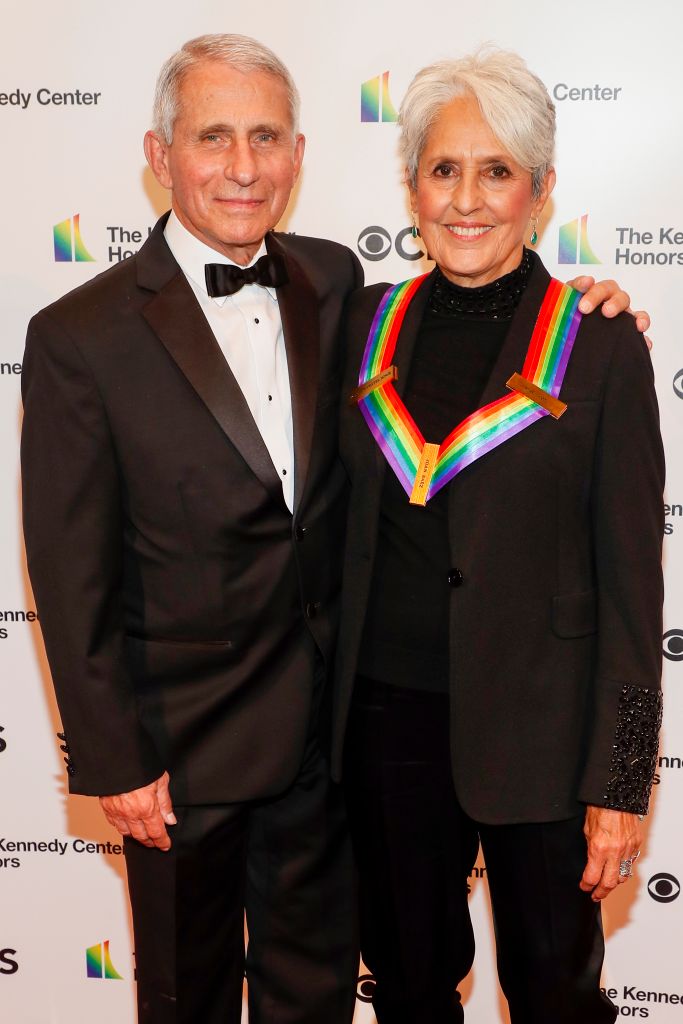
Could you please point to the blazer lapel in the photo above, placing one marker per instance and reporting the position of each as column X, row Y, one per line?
column 300, row 314
column 405, row 346
column 403, row 354
column 176, row 318
column 514, row 349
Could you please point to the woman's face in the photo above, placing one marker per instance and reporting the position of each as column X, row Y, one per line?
column 472, row 200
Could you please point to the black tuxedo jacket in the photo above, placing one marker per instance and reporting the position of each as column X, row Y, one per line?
column 555, row 632
column 181, row 603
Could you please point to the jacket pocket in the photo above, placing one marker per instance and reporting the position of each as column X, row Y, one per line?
column 575, row 615
column 155, row 661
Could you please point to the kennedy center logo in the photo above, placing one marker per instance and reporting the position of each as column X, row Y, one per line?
column 98, row 962
column 69, row 246
column 375, row 102
column 574, row 246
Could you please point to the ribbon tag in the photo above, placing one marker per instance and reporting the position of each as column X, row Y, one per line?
column 363, row 390
column 425, row 472
column 524, row 387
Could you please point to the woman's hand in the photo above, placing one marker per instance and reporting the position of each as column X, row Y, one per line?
column 612, row 837
column 612, row 298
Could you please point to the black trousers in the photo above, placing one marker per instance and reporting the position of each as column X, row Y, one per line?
column 287, row 862
column 415, row 848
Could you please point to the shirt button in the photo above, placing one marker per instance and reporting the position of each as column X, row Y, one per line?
column 284, row 472
column 256, row 320
column 299, row 532
column 270, row 398
column 312, row 609
column 455, row 578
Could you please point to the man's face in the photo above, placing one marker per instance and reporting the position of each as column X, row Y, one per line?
column 234, row 158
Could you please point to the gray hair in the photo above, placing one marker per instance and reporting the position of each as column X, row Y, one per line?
column 239, row 52
column 514, row 103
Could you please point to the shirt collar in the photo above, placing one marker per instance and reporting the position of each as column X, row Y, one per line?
column 192, row 255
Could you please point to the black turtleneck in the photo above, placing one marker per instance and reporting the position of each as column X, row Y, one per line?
column 405, row 640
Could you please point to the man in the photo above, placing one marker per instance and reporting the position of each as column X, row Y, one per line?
column 184, row 519
column 183, row 514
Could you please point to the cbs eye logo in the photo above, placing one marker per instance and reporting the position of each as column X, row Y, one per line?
column 678, row 384
column 673, row 645
column 365, row 988
column 374, row 243
column 664, row 888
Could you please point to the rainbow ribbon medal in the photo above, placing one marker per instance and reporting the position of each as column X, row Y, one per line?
column 424, row 468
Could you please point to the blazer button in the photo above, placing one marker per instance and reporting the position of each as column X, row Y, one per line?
column 312, row 609
column 299, row 532
column 455, row 578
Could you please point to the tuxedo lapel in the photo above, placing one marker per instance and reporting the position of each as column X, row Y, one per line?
column 176, row 318
column 301, row 327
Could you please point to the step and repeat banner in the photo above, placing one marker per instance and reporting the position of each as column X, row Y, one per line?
column 76, row 82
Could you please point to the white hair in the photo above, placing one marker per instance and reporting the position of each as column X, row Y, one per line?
column 513, row 101
column 239, row 52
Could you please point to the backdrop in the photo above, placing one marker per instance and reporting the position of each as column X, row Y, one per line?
column 76, row 82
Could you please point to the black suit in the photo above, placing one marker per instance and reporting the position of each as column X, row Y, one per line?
column 555, row 646
column 186, row 612
column 557, row 534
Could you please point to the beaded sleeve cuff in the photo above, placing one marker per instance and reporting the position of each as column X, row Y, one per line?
column 634, row 752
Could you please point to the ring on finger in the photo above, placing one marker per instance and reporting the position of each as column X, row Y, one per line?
column 626, row 868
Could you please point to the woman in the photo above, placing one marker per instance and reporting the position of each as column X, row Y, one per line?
column 499, row 656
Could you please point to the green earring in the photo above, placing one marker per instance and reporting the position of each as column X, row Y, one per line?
column 415, row 231
column 534, row 234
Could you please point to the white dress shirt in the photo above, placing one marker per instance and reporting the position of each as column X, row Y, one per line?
column 248, row 328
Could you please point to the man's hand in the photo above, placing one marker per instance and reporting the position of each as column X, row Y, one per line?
column 612, row 298
column 143, row 813
column 612, row 836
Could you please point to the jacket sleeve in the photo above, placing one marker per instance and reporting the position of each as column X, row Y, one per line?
column 73, row 527
column 628, row 526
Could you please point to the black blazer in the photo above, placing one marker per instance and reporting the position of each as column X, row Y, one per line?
column 555, row 632
column 181, row 603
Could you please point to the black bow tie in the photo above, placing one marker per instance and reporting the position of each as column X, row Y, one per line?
column 226, row 279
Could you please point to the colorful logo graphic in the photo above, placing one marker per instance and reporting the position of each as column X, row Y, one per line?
column 69, row 246
column 98, row 962
column 375, row 101
column 574, row 245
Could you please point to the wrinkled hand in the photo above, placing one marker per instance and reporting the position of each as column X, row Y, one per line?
column 612, row 836
column 612, row 298
column 143, row 813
